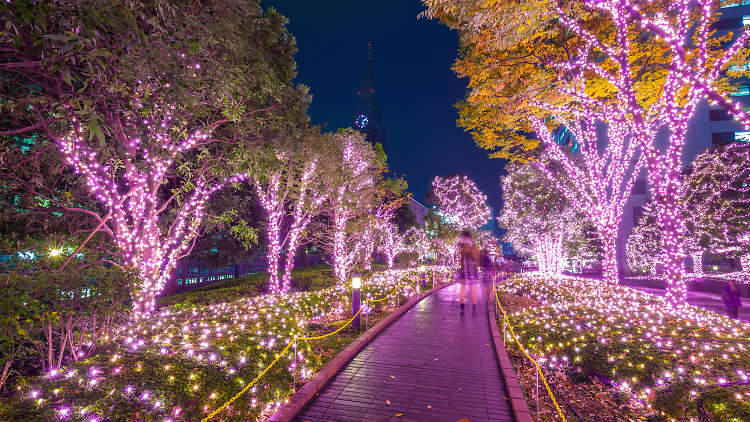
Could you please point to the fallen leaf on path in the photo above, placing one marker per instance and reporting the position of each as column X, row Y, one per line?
column 506, row 398
column 388, row 401
column 464, row 420
column 487, row 345
column 369, row 348
column 429, row 407
column 393, row 377
column 460, row 389
column 399, row 414
column 434, row 360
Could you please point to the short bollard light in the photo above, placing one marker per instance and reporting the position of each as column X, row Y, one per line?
column 356, row 289
column 423, row 269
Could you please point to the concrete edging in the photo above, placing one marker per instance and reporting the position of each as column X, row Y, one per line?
column 286, row 412
column 517, row 400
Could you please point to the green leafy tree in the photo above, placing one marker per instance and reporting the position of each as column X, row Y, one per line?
column 154, row 106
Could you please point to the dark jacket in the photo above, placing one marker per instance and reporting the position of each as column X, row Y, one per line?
column 731, row 298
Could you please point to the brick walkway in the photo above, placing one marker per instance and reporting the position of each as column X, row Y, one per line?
column 432, row 364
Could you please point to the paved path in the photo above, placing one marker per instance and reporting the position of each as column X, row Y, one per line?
column 432, row 364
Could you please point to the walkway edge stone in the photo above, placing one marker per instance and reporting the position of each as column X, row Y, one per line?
column 517, row 400
column 286, row 412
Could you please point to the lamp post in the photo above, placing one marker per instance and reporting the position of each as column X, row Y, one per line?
column 356, row 289
column 716, row 269
column 422, row 268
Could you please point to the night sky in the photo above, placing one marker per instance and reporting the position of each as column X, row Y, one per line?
column 411, row 61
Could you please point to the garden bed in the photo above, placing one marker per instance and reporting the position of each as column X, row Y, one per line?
column 617, row 354
column 189, row 358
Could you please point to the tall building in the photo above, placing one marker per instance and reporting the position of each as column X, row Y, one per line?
column 368, row 118
column 710, row 125
column 420, row 211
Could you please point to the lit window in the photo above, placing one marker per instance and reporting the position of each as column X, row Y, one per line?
column 742, row 91
column 735, row 4
column 742, row 136
column 745, row 20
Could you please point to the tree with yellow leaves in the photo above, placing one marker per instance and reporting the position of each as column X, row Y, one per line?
column 635, row 66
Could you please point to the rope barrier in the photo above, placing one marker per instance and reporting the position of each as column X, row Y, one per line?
column 549, row 391
column 330, row 334
column 217, row 411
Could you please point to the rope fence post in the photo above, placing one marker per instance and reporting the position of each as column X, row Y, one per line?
column 505, row 339
column 537, row 394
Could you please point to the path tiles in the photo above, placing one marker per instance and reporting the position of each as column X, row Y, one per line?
column 432, row 364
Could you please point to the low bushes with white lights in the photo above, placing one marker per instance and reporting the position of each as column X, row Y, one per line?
column 188, row 359
column 683, row 364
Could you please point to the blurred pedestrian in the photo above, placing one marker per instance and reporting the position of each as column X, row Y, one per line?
column 467, row 271
column 732, row 300
column 488, row 269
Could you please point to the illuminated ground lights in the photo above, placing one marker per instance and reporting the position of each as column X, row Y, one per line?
column 183, row 362
column 667, row 359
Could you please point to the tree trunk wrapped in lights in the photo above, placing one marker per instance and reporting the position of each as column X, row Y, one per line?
column 390, row 241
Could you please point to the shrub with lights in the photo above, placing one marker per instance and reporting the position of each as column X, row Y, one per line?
column 683, row 364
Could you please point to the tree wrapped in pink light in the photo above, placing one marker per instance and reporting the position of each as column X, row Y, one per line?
column 714, row 201
column 292, row 191
column 461, row 203
column 603, row 177
column 351, row 200
column 538, row 217
column 390, row 241
column 646, row 71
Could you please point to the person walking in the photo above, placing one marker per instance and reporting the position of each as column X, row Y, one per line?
column 467, row 271
column 732, row 300
column 488, row 271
